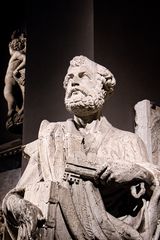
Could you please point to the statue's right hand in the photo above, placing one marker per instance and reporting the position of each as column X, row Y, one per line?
column 22, row 214
column 29, row 219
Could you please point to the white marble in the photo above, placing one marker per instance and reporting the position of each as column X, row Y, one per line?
column 148, row 128
column 85, row 178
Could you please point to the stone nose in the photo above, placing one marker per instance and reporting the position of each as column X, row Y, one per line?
column 75, row 81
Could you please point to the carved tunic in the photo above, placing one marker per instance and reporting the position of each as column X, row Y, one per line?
column 80, row 208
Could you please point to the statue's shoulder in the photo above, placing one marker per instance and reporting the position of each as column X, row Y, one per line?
column 30, row 148
column 124, row 135
column 47, row 127
column 116, row 133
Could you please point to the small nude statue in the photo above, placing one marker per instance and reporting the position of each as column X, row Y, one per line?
column 15, row 78
column 85, row 180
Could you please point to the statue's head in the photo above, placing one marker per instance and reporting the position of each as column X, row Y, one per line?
column 18, row 44
column 87, row 86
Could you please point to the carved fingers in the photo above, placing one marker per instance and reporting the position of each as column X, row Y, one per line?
column 24, row 232
column 103, row 174
column 145, row 174
column 112, row 172
column 122, row 172
column 30, row 219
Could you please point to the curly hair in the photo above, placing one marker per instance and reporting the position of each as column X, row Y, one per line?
column 18, row 44
column 103, row 73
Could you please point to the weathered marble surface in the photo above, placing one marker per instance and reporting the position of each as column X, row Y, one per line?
column 8, row 180
column 85, row 178
column 148, row 128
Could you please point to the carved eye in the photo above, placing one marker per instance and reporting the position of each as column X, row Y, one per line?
column 70, row 76
column 67, row 79
column 82, row 74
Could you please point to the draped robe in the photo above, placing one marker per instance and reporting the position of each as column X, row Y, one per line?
column 83, row 209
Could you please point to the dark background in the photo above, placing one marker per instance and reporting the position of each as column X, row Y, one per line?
column 123, row 37
column 56, row 33
column 127, row 40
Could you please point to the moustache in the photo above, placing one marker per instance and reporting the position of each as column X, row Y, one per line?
column 78, row 89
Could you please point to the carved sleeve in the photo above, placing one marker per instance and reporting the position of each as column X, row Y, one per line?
column 32, row 173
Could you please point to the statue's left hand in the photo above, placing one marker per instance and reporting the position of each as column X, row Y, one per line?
column 122, row 172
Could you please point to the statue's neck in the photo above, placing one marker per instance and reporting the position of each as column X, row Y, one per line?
column 85, row 120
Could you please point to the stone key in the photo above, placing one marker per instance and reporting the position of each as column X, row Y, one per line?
column 73, row 173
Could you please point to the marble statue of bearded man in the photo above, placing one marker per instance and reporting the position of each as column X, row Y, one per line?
column 85, row 178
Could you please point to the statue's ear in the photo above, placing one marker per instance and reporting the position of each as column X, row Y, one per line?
column 109, row 83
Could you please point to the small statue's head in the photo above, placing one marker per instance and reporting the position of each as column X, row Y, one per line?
column 18, row 44
column 87, row 86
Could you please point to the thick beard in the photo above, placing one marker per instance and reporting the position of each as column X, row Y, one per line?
column 86, row 105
